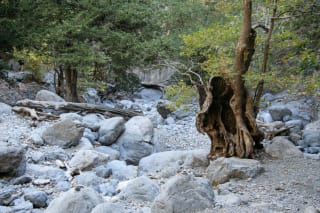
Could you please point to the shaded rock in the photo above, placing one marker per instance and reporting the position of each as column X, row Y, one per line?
column 21, row 76
column 92, row 121
column 89, row 179
column 110, row 130
column 183, row 113
column 5, row 109
column 278, row 112
column 121, row 171
column 37, row 156
column 63, row 133
column 56, row 154
column 140, row 189
column 7, row 196
column 223, row 169
column 86, row 159
column 103, row 171
column 12, row 160
column 91, row 96
column 22, row 180
column 76, row 200
column 164, row 109
column 22, row 206
column 46, row 95
column 108, row 208
column 184, row 193
column 136, row 141
column 114, row 154
column 92, row 136
column 281, row 147
column 37, row 198
column 311, row 134
column 166, row 164
column 297, row 125
column 84, row 144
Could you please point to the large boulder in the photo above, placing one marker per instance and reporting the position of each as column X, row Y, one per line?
column 223, row 169
column 12, row 160
column 76, row 200
column 166, row 164
column 64, row 133
column 37, row 198
column 87, row 159
column 184, row 193
column 110, row 130
column 46, row 95
column 136, row 141
column 281, row 147
column 140, row 189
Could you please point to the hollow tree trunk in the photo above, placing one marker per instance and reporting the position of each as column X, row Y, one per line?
column 71, row 76
column 227, row 114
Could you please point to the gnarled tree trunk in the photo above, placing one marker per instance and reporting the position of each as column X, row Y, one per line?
column 227, row 115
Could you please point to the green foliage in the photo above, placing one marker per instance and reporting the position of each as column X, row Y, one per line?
column 180, row 93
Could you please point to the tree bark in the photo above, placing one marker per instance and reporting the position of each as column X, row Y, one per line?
column 71, row 76
column 227, row 114
column 78, row 107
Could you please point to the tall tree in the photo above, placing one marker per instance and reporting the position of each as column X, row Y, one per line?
column 227, row 114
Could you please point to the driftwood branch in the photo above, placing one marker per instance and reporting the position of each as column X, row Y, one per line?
column 78, row 107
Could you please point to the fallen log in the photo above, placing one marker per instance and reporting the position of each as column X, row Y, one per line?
column 78, row 107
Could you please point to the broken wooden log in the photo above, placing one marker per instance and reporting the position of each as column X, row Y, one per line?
column 78, row 107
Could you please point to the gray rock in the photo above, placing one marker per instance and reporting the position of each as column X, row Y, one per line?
column 92, row 121
column 76, row 200
column 166, row 164
column 121, row 171
column 311, row 156
column 46, row 172
column 183, row 113
column 46, row 95
column 281, row 147
column 36, row 139
column 63, row 186
column 114, row 154
column 12, row 160
column 139, row 189
column 102, row 171
column 37, row 156
column 7, row 195
column 56, row 154
column 89, row 179
column 91, row 96
column 108, row 208
column 87, row 159
column 278, row 112
column 264, row 117
column 63, row 133
column 295, row 138
column 71, row 116
column 136, row 141
column 148, row 94
column 184, row 193
column 84, row 144
column 312, row 150
column 22, row 206
column 297, row 125
column 22, row 180
column 223, row 169
column 5, row 109
column 108, row 188
column 37, row 198
column 92, row 136
column 110, row 130
column 164, row 108
column 21, row 76
column 311, row 134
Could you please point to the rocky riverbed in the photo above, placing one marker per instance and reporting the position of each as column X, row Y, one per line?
column 89, row 163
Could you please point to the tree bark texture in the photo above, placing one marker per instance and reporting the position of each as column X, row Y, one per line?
column 71, row 76
column 227, row 114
